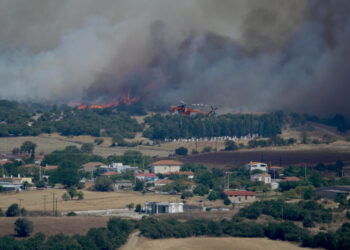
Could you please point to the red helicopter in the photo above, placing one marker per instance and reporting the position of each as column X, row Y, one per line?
column 184, row 110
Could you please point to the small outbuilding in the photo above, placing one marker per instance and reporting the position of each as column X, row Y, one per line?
column 164, row 207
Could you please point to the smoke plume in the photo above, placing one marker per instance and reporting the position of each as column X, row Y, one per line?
column 235, row 54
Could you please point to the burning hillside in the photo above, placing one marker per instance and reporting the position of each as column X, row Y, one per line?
column 251, row 55
column 126, row 100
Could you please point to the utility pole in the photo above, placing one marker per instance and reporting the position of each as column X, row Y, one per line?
column 282, row 213
column 56, row 205
column 53, row 204
column 20, row 202
column 44, row 196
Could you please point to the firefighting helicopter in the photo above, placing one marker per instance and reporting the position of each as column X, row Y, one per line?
column 185, row 110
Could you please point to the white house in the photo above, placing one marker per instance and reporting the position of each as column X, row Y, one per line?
column 274, row 185
column 257, row 166
column 265, row 178
column 165, row 166
column 240, row 196
column 146, row 177
column 164, row 207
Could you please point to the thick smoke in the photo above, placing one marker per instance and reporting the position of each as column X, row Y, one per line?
column 236, row 54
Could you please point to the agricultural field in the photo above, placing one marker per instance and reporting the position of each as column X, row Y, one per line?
column 207, row 243
column 47, row 143
column 34, row 200
column 55, row 225
column 275, row 156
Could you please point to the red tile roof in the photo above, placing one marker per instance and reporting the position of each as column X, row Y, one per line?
column 291, row 178
column 93, row 164
column 52, row 167
column 276, row 167
column 167, row 162
column 109, row 173
column 254, row 163
column 5, row 162
column 239, row 193
column 31, row 166
column 163, row 181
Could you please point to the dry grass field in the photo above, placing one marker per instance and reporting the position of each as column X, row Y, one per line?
column 208, row 243
column 48, row 143
column 55, row 225
column 34, row 200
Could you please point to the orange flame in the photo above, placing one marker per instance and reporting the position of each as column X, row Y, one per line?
column 126, row 100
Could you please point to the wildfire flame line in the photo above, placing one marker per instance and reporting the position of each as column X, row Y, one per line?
column 126, row 100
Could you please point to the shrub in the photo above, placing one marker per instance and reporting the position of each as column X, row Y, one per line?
column 214, row 195
column 81, row 185
column 72, row 191
column 23, row 227
column 207, row 149
column 98, row 141
column 71, row 214
column 130, row 206
column 201, row 190
column 138, row 208
column 227, row 201
column 13, row 210
column 1, row 213
column 307, row 222
column 65, row 197
column 181, row 151
column 186, row 194
column 24, row 211
column 103, row 184
column 80, row 195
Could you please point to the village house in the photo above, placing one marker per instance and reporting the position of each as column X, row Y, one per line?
column 164, row 207
column 117, row 168
column 256, row 166
column 165, row 166
column 162, row 182
column 92, row 166
column 147, row 177
column 123, row 185
column 189, row 174
column 275, row 171
column 240, row 196
column 265, row 178
column 108, row 174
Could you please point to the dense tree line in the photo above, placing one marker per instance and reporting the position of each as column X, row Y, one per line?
column 180, row 126
column 286, row 231
column 24, row 120
column 301, row 211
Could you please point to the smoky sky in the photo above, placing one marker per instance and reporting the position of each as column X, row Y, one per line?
column 234, row 54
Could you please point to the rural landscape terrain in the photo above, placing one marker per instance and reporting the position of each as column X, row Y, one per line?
column 182, row 124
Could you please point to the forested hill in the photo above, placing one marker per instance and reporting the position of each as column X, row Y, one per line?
column 175, row 126
column 33, row 119
column 24, row 120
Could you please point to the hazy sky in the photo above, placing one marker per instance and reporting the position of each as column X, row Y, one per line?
column 252, row 54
